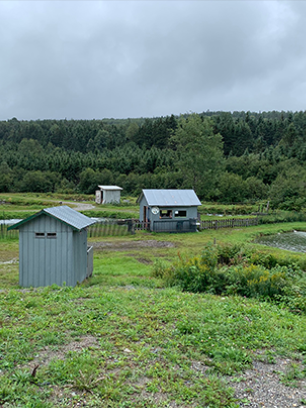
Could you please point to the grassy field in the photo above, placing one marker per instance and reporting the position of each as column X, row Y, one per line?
column 123, row 339
column 22, row 205
column 17, row 205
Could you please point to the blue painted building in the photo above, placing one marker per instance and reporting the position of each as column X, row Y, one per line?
column 169, row 210
column 53, row 248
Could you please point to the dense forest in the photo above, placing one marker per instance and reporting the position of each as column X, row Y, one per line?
column 225, row 157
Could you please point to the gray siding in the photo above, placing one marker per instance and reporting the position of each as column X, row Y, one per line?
column 89, row 261
column 47, row 260
column 111, row 196
column 142, row 203
column 167, row 224
column 174, row 225
column 80, row 255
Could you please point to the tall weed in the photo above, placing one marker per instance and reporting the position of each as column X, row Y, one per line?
column 256, row 281
column 198, row 274
column 236, row 270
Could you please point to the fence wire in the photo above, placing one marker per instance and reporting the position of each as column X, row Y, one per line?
column 5, row 234
column 111, row 227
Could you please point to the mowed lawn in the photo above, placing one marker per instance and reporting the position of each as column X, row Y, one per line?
column 122, row 339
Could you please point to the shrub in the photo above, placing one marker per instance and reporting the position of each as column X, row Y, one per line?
column 283, row 216
column 204, row 274
column 229, row 254
column 256, row 281
column 260, row 258
column 159, row 268
column 198, row 274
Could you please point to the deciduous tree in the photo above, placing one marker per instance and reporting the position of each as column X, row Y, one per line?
column 200, row 153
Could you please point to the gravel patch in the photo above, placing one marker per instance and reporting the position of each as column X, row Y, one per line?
column 47, row 354
column 260, row 387
column 12, row 261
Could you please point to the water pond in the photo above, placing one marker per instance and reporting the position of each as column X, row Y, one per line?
column 292, row 241
column 9, row 222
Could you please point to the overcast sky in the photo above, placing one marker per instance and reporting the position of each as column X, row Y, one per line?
column 120, row 59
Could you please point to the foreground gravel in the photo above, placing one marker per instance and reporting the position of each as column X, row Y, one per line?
column 261, row 387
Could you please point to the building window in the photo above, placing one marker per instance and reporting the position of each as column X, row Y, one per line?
column 165, row 214
column 180, row 213
column 51, row 235
column 39, row 235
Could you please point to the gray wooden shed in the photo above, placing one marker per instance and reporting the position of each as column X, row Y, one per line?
column 169, row 210
column 108, row 194
column 53, row 248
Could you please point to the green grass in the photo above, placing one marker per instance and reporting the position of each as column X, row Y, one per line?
column 23, row 205
column 25, row 199
column 120, row 270
column 213, row 217
column 121, row 339
column 233, row 209
column 146, row 344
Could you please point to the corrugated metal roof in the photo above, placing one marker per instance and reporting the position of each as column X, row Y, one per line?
column 171, row 197
column 70, row 216
column 110, row 188
column 64, row 214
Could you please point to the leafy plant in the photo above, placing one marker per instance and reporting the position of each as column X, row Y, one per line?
column 87, row 382
column 22, row 377
column 255, row 280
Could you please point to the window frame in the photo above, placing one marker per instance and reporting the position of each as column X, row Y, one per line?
column 178, row 215
column 168, row 215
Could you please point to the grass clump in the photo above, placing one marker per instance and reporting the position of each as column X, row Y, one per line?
column 236, row 271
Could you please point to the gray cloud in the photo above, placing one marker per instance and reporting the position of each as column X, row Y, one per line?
column 97, row 59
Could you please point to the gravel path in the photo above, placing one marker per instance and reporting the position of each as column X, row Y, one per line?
column 260, row 387
column 79, row 206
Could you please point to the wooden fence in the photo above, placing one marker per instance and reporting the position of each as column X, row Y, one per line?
column 141, row 225
column 202, row 225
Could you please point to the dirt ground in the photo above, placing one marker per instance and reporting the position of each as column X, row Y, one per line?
column 129, row 245
column 258, row 387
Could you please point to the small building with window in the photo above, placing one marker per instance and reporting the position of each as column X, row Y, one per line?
column 169, row 210
column 108, row 194
column 53, row 248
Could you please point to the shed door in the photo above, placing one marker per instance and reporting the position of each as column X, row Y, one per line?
column 98, row 197
column 145, row 213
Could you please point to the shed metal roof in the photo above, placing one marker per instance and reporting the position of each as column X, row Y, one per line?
column 171, row 198
column 65, row 214
column 110, row 188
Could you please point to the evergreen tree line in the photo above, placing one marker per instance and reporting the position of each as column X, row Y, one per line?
column 228, row 157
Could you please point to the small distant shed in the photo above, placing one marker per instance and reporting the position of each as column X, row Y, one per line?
column 53, row 248
column 108, row 194
column 169, row 210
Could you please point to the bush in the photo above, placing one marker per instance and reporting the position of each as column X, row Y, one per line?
column 256, row 281
column 243, row 209
column 197, row 274
column 244, row 272
column 229, row 254
column 283, row 216
column 260, row 258
column 159, row 269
